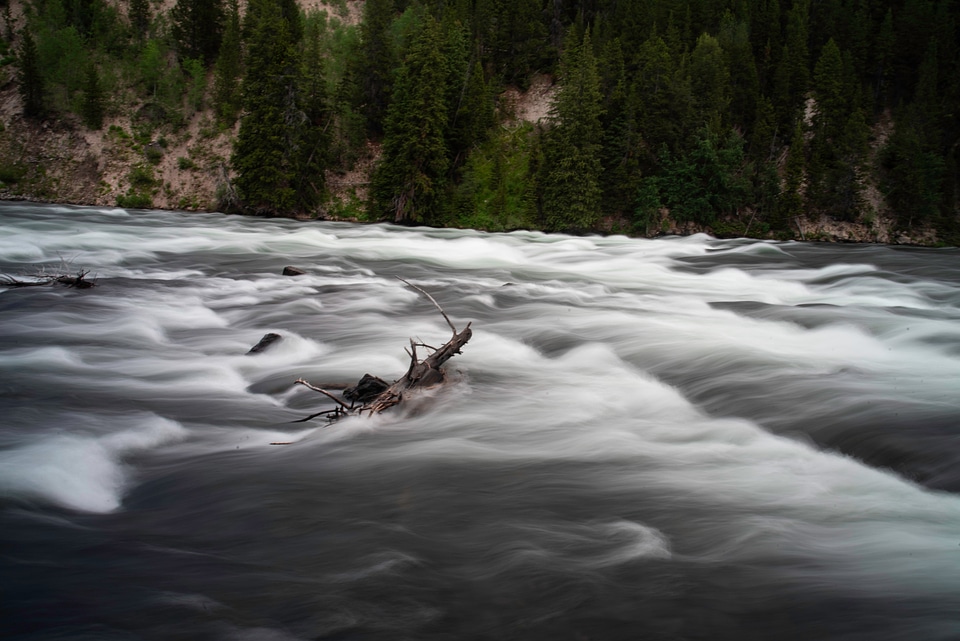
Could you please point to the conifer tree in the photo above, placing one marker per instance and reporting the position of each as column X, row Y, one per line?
column 197, row 26
column 92, row 107
column 315, row 145
column 140, row 17
column 268, row 145
column 226, row 95
column 571, row 189
column 744, row 82
column 790, row 202
column 30, row 77
column 710, row 81
column 373, row 68
column 621, row 138
column 409, row 181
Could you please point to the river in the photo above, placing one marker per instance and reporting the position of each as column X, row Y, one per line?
column 676, row 438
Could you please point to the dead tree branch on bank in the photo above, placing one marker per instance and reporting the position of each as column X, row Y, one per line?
column 373, row 395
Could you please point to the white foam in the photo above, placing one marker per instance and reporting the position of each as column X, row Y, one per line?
column 82, row 472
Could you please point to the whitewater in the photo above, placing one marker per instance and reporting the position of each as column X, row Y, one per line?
column 671, row 438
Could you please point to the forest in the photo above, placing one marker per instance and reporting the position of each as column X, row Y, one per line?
column 738, row 117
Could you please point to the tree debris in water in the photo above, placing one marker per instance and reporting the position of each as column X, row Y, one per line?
column 372, row 395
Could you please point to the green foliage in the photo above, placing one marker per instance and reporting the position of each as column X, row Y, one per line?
column 571, row 189
column 30, row 78
column 197, row 26
column 709, row 80
column 153, row 154
column 92, row 107
column 281, row 149
column 645, row 125
column 133, row 200
column 141, row 177
column 709, row 182
column 11, row 172
column 197, row 83
column 140, row 17
column 369, row 77
column 151, row 66
column 495, row 193
column 226, row 87
column 409, row 182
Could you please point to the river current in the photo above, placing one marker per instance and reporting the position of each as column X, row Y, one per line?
column 677, row 438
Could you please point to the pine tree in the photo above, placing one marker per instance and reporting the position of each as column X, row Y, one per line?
column 839, row 136
column 197, row 28
column 92, row 105
column 790, row 202
column 268, row 145
column 140, row 17
column 30, row 78
column 373, row 68
column 710, row 81
column 226, row 95
column 744, row 82
column 409, row 181
column 571, row 190
column 315, row 145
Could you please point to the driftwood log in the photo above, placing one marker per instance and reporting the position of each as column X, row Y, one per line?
column 79, row 281
column 373, row 395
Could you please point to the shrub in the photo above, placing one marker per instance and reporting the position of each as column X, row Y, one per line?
column 131, row 200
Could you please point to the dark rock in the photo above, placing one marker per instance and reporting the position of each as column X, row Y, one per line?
column 265, row 342
column 366, row 390
column 290, row 270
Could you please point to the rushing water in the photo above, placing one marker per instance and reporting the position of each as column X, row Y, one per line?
column 681, row 438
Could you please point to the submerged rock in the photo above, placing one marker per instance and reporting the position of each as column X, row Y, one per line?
column 267, row 341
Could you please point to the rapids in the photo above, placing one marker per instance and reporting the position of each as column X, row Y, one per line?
column 678, row 438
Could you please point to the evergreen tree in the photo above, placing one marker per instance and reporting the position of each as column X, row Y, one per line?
column 140, row 17
column 151, row 66
column 30, row 78
column 269, row 147
column 226, row 94
column 315, row 146
column 790, row 202
column 409, row 181
column 792, row 75
column 92, row 107
column 744, row 82
column 709, row 80
column 197, row 28
column 571, row 189
column 664, row 101
column 621, row 138
column 707, row 182
column 373, row 68
column 839, row 137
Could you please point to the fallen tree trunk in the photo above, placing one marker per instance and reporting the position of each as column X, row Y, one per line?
column 375, row 395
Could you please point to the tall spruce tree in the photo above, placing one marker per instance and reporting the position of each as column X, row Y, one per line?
column 571, row 185
column 269, row 145
column 197, row 26
column 409, row 181
column 315, row 139
column 30, row 78
column 226, row 89
column 140, row 17
column 92, row 106
column 371, row 72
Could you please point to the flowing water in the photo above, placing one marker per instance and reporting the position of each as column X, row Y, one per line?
column 680, row 438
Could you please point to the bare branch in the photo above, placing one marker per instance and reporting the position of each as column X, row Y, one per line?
column 432, row 300
column 322, row 391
